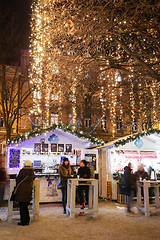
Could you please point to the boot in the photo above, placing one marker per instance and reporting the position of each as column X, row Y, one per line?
column 83, row 205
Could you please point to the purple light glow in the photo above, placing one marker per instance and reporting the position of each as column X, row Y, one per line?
column 14, row 158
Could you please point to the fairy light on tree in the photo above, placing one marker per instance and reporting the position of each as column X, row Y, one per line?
column 132, row 100
column 118, row 81
column 109, row 33
column 102, row 98
column 36, row 53
column 154, row 96
column 113, row 102
column 74, row 101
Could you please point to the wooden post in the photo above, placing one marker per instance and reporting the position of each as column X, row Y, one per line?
column 139, row 196
column 90, row 200
column 156, row 191
column 146, row 198
column 68, row 195
column 95, row 198
column 73, row 198
column 12, row 183
column 35, row 201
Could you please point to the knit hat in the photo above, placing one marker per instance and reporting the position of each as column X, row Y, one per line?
column 85, row 162
column 27, row 163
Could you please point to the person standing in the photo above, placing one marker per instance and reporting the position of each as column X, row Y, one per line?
column 24, row 182
column 83, row 172
column 130, row 183
column 65, row 172
column 141, row 173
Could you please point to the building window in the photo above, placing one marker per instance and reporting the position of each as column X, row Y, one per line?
column 37, row 95
column 37, row 122
column 104, row 123
column 1, row 122
column 70, row 119
column 119, row 123
column 118, row 77
column 87, row 122
column 54, row 97
column 134, row 126
column 54, row 118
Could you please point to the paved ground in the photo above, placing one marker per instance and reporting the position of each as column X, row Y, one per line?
column 112, row 223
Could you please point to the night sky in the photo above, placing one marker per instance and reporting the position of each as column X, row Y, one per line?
column 21, row 9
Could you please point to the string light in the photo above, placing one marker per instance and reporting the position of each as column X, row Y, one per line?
column 132, row 100
column 62, row 30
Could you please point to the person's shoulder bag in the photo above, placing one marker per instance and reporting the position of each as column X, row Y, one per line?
column 13, row 195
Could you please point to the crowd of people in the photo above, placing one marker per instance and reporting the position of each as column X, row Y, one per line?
column 24, row 182
column 25, row 178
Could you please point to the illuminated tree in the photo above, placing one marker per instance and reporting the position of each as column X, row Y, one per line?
column 121, row 36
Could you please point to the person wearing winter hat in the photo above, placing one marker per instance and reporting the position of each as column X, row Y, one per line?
column 27, row 163
column 24, row 191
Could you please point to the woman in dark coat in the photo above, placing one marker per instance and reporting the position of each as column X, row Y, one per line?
column 24, row 191
column 130, row 182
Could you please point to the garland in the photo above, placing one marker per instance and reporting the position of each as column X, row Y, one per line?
column 136, row 136
column 39, row 131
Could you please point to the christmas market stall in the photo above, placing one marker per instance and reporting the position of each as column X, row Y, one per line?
column 138, row 148
column 46, row 148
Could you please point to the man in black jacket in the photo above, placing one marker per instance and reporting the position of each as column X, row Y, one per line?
column 83, row 172
column 130, row 182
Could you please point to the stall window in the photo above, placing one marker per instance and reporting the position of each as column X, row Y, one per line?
column 54, row 118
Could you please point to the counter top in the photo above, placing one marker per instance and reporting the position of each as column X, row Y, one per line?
column 46, row 174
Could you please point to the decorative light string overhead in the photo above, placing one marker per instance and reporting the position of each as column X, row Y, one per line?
column 132, row 100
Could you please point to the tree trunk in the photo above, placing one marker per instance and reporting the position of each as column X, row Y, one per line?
column 8, row 131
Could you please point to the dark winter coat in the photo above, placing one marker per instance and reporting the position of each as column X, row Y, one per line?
column 24, row 191
column 64, row 174
column 129, row 180
column 141, row 174
column 3, row 176
column 84, row 172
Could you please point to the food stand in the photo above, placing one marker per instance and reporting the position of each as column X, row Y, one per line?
column 114, row 156
column 46, row 148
